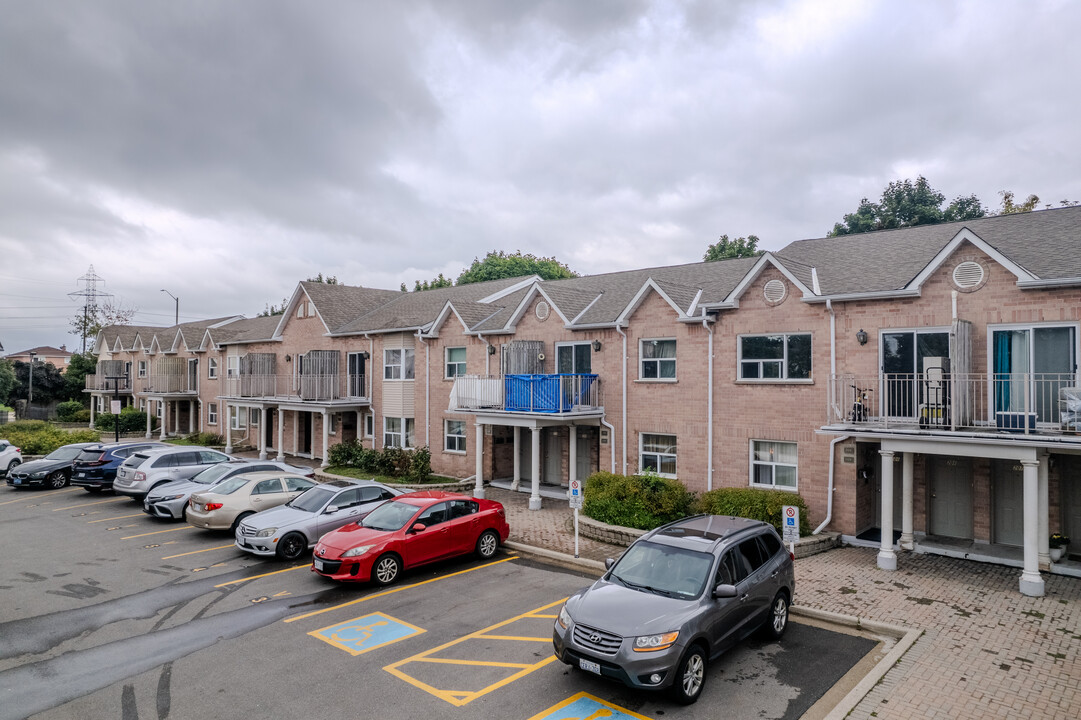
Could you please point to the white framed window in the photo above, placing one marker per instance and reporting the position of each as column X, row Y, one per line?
column 781, row 356
column 398, row 364
column 212, row 368
column 774, row 464
column 253, row 416
column 238, row 417
column 657, row 359
column 369, row 425
column 332, row 423
column 232, row 366
column 657, row 453
column 211, row 413
column 142, row 404
column 398, row 432
column 454, row 436
column 455, row 362
column 142, row 368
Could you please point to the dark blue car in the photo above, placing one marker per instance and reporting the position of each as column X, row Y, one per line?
column 95, row 467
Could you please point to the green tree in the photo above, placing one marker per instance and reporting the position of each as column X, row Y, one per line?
column 725, row 249
column 439, row 282
column 7, row 381
column 1009, row 207
column 905, row 203
column 79, row 366
column 48, row 382
column 274, row 309
column 497, row 265
column 89, row 320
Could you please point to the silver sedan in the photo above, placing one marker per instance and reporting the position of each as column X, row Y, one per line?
column 170, row 500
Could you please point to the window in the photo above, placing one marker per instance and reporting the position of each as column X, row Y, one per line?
column 332, row 423
column 232, row 366
column 398, row 364
column 253, row 417
column 658, row 454
column 1030, row 365
column 434, row 515
column 238, row 417
column 369, row 425
column 455, row 362
column 574, row 358
column 212, row 368
column 775, row 357
column 211, row 413
column 398, row 432
column 142, row 368
column 297, row 484
column 773, row 464
column 142, row 404
column 267, row 487
column 454, row 436
column 909, row 359
column 658, row 360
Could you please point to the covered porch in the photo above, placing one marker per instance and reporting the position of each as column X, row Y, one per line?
column 299, row 429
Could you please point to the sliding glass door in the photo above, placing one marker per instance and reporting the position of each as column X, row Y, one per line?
column 1029, row 365
column 903, row 364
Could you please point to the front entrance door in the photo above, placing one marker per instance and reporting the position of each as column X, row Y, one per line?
column 304, row 433
column 951, row 496
column 553, row 457
column 1070, row 482
column 525, row 454
column 1008, row 497
column 269, row 418
column 584, row 466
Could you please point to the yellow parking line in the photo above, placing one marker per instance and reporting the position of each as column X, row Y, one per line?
column 158, row 532
column 32, row 497
column 394, row 590
column 120, row 517
column 194, row 552
column 253, row 577
column 462, row 697
column 99, row 502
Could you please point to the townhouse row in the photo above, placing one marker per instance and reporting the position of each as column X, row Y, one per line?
column 917, row 387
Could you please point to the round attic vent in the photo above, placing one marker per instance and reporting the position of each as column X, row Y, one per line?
column 968, row 275
column 775, row 291
column 542, row 310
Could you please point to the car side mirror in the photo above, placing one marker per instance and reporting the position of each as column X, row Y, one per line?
column 725, row 591
column 331, row 509
column 608, row 563
column 419, row 527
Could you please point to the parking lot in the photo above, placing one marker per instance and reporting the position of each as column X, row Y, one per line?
column 107, row 612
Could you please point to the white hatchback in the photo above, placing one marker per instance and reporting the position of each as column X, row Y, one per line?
column 10, row 457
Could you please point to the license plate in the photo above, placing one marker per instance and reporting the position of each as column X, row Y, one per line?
column 80, row 475
column 589, row 666
column 17, row 481
column 318, row 564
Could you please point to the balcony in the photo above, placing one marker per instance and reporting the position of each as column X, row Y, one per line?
column 294, row 388
column 171, row 384
column 1015, row 403
column 552, row 394
column 102, row 384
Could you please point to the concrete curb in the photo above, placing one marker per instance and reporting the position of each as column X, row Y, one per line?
column 556, row 557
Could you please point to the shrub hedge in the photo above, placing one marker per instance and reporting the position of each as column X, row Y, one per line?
column 131, row 420
column 37, row 437
column 412, row 465
column 67, row 411
column 754, row 503
column 636, row 501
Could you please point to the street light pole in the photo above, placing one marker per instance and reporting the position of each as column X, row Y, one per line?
column 30, row 393
column 177, row 301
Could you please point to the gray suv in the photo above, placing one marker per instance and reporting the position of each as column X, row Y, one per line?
column 144, row 471
column 677, row 598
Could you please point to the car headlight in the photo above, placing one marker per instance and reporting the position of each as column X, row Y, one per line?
column 159, row 498
column 649, row 643
column 564, row 617
column 39, row 474
column 266, row 532
column 357, row 551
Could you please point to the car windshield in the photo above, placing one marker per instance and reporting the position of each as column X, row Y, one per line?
column 64, row 453
column 231, row 485
column 213, row 474
column 390, row 516
column 311, row 500
column 663, row 570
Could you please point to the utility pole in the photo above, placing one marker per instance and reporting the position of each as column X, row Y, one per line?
column 90, row 295
column 30, row 392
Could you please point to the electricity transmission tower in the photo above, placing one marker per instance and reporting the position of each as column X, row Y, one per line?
column 90, row 295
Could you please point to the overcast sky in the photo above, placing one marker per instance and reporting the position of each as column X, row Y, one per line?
column 226, row 150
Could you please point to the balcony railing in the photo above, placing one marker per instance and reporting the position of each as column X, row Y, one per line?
column 95, row 382
column 566, row 393
column 170, row 384
column 997, row 402
column 295, row 387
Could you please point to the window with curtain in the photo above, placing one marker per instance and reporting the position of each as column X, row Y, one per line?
column 785, row 356
column 658, row 454
column 455, row 362
column 1030, row 365
column 774, row 464
column 658, row 360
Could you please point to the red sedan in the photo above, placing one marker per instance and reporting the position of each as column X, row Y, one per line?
column 408, row 531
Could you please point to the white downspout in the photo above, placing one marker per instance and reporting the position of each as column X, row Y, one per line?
column 612, row 442
column 427, row 392
column 829, row 496
column 624, row 421
column 709, row 405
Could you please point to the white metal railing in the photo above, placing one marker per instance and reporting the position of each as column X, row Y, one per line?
column 1015, row 402
column 563, row 393
column 94, row 382
column 316, row 387
column 170, row 383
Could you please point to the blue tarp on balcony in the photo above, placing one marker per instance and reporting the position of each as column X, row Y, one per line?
column 548, row 393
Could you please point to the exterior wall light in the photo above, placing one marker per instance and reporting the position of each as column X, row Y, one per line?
column 861, row 337
column 596, row 346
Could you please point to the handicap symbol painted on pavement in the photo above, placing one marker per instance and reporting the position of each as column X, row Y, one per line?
column 584, row 706
column 359, row 635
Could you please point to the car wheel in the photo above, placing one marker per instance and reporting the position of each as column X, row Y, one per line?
column 777, row 622
column 487, row 544
column 292, row 546
column 386, row 569
column 57, row 480
column 13, row 464
column 239, row 519
column 690, row 676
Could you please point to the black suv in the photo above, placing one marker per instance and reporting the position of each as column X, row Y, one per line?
column 95, row 467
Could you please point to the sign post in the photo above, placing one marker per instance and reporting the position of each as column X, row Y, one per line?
column 576, row 495
column 790, row 526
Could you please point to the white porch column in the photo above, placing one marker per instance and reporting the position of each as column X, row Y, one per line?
column 517, row 459
column 93, row 408
column 149, row 405
column 572, row 458
column 164, row 417
column 281, row 435
column 360, row 426
column 478, row 489
column 534, row 497
column 191, row 416
column 907, row 540
column 887, row 558
column 1044, row 513
column 227, row 421
column 326, row 439
column 260, row 433
column 1031, row 582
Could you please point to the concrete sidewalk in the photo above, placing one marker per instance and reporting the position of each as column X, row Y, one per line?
column 986, row 650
